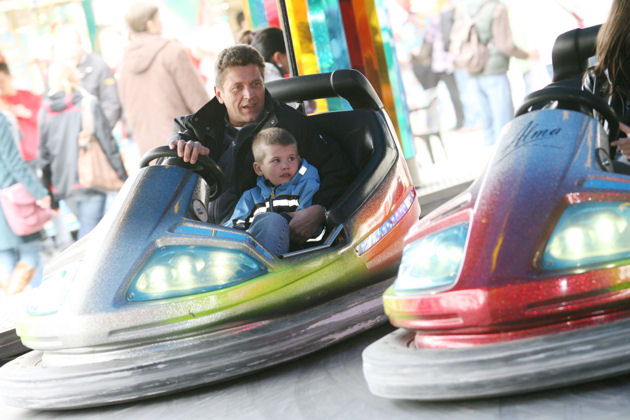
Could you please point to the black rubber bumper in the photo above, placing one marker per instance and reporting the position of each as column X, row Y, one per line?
column 395, row 368
column 91, row 377
column 10, row 346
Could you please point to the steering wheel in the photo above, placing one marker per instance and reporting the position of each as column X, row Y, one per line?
column 205, row 167
column 573, row 96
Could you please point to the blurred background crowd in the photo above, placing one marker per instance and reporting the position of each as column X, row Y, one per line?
column 143, row 64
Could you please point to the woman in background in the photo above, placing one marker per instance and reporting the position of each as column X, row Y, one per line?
column 19, row 255
column 60, row 125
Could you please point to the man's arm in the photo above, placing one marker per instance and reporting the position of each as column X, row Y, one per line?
column 306, row 222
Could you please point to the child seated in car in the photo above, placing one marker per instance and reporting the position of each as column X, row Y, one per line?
column 286, row 183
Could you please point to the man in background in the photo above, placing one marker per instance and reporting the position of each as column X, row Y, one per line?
column 157, row 80
column 96, row 76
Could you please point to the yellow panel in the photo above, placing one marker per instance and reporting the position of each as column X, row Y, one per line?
column 374, row 53
column 303, row 42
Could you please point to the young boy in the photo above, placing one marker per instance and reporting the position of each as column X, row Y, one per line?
column 286, row 183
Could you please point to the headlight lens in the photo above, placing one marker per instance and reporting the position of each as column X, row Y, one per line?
column 589, row 234
column 48, row 297
column 181, row 270
column 433, row 262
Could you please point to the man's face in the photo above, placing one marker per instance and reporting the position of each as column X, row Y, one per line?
column 242, row 93
column 279, row 164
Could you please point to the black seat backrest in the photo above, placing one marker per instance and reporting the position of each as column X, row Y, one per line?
column 355, row 131
column 571, row 52
column 368, row 147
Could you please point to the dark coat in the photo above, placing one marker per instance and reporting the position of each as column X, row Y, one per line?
column 59, row 126
column 208, row 126
column 97, row 78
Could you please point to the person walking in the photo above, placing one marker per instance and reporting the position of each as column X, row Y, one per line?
column 60, row 122
column 157, row 80
column 24, row 106
column 491, row 84
column 437, row 36
column 19, row 255
column 95, row 75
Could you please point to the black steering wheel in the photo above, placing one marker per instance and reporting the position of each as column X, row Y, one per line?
column 576, row 98
column 205, row 167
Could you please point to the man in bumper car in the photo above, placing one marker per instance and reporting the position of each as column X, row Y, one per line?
column 223, row 129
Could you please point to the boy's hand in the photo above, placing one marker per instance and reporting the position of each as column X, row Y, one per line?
column 306, row 222
column 623, row 143
column 189, row 150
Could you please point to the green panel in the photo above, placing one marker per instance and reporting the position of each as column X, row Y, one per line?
column 326, row 26
column 184, row 9
column 257, row 12
column 400, row 100
column 91, row 22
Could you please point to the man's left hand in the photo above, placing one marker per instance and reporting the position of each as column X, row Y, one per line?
column 306, row 222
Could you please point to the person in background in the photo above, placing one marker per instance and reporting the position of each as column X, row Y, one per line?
column 245, row 36
column 491, row 84
column 60, row 122
column 95, row 75
column 157, row 80
column 19, row 255
column 24, row 106
column 270, row 44
column 438, row 36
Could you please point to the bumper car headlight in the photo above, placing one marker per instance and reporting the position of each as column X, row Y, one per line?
column 181, row 270
column 589, row 234
column 432, row 263
column 48, row 297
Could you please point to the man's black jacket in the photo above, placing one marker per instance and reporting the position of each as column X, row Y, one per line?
column 208, row 126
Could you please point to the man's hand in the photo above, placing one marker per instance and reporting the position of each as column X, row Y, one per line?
column 624, row 143
column 189, row 150
column 306, row 222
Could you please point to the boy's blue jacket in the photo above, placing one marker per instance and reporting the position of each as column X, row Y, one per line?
column 296, row 194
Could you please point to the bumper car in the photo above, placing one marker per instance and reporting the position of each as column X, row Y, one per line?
column 158, row 299
column 522, row 282
column 10, row 344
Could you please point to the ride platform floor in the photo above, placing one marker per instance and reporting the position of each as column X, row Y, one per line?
column 329, row 385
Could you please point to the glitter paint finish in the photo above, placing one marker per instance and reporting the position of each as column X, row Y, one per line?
column 153, row 301
column 545, row 162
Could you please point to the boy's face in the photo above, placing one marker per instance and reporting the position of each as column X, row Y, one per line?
column 242, row 93
column 279, row 164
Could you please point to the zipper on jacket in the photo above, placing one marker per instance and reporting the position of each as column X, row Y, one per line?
column 272, row 197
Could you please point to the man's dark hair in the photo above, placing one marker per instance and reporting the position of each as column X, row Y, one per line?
column 269, row 137
column 268, row 41
column 236, row 56
column 4, row 68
